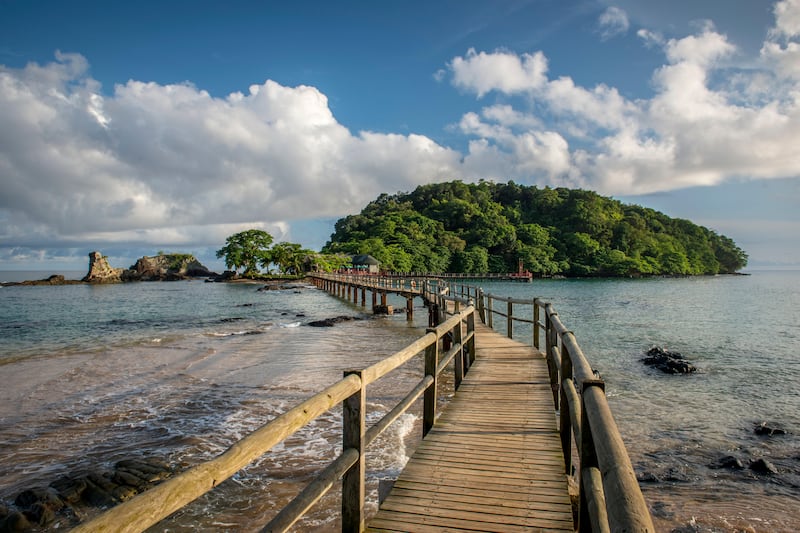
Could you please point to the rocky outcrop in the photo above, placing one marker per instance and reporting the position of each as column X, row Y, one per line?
column 162, row 267
column 64, row 502
column 55, row 279
column 168, row 267
column 101, row 272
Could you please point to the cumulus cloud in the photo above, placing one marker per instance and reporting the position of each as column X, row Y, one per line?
column 782, row 48
column 503, row 71
column 613, row 22
column 78, row 165
column 704, row 124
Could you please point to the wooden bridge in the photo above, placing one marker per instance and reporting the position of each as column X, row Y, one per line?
column 498, row 458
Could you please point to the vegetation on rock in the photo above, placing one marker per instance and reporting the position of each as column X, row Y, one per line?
column 490, row 227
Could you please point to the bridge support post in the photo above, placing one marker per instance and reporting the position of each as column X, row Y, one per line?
column 471, row 342
column 353, row 432
column 374, row 298
column 433, row 314
column 429, row 399
column 460, row 362
column 510, row 320
column 363, row 296
column 410, row 308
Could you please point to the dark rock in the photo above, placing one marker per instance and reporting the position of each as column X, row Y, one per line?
column 330, row 322
column 123, row 477
column 102, row 480
column 729, row 462
column 647, row 477
column 40, row 514
column 768, row 430
column 228, row 275
column 15, row 521
column 124, row 493
column 762, row 466
column 383, row 310
column 96, row 496
column 151, row 470
column 662, row 510
column 69, row 489
column 46, row 496
column 668, row 362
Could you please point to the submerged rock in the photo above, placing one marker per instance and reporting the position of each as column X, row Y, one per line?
column 729, row 462
column 768, row 430
column 330, row 322
column 762, row 466
column 668, row 362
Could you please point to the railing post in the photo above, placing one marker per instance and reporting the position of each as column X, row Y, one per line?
column 471, row 333
column 481, row 309
column 353, row 430
column 510, row 320
column 490, row 313
column 458, row 366
column 429, row 399
column 565, row 423
column 536, row 323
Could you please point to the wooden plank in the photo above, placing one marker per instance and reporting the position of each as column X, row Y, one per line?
column 493, row 460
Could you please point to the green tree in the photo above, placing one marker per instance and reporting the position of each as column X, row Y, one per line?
column 288, row 256
column 246, row 249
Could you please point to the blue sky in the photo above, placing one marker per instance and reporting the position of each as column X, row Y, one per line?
column 134, row 127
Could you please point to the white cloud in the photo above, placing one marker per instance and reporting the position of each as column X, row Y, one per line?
column 705, row 123
column 781, row 49
column 502, row 71
column 613, row 22
column 172, row 164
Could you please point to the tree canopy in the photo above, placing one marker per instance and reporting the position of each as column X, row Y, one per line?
column 246, row 249
column 489, row 227
column 253, row 248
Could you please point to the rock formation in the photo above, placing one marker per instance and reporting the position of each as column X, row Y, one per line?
column 169, row 267
column 101, row 272
column 162, row 267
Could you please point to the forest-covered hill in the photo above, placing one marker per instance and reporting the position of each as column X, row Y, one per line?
column 489, row 227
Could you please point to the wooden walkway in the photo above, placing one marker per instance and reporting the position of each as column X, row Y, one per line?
column 493, row 460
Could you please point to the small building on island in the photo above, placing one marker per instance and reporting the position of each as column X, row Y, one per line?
column 365, row 263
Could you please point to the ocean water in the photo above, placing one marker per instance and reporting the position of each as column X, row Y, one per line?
column 180, row 370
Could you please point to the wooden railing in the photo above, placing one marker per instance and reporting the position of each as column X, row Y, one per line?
column 450, row 341
column 610, row 496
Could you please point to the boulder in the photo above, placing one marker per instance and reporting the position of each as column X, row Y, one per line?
column 668, row 362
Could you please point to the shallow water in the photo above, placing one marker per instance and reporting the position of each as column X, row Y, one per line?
column 181, row 370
